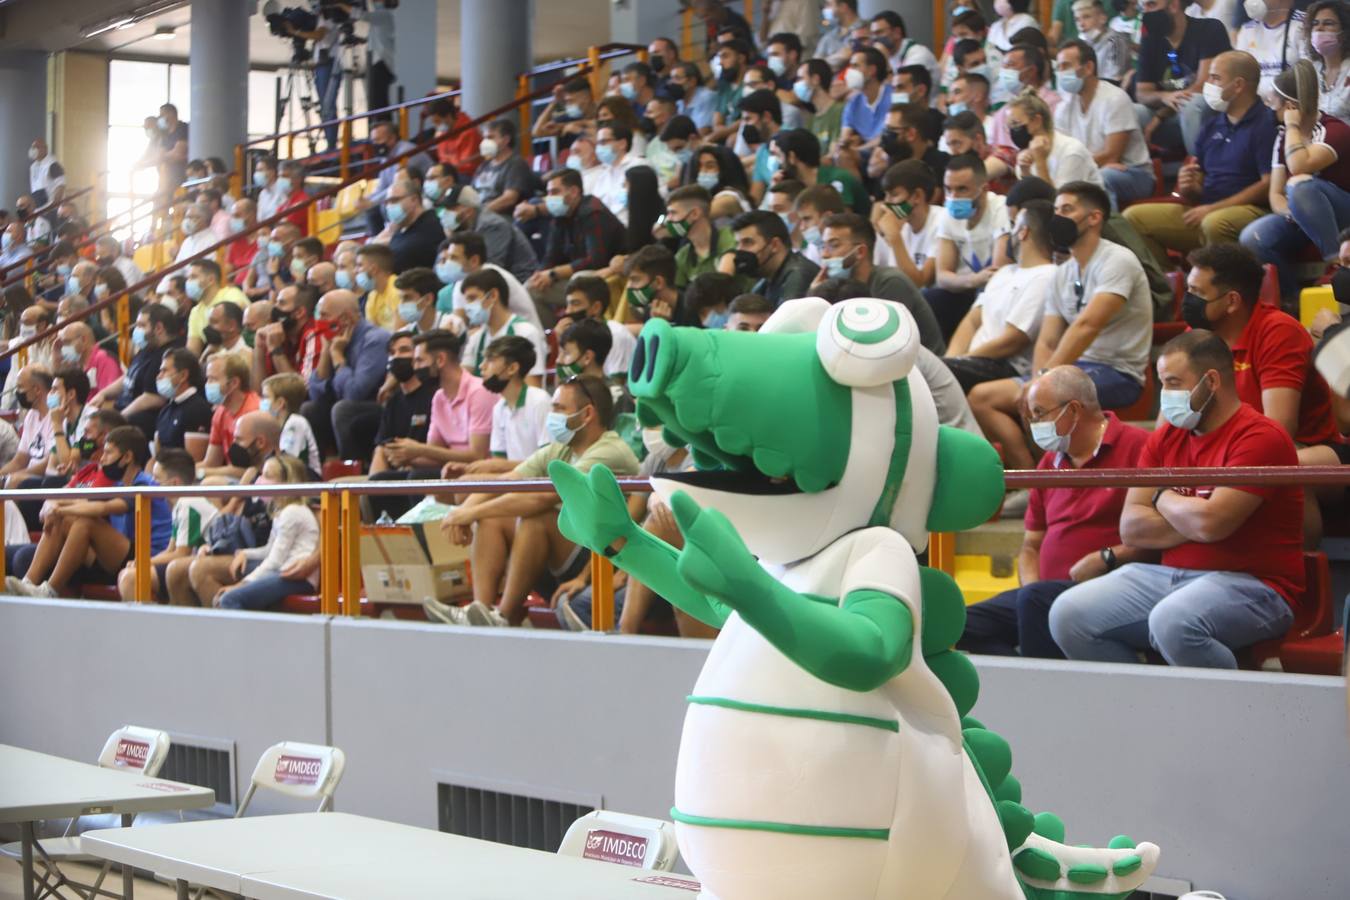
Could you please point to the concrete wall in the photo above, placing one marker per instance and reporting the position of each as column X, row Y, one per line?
column 23, row 102
column 79, row 84
column 1242, row 778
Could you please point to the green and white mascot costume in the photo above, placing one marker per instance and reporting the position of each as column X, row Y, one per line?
column 827, row 750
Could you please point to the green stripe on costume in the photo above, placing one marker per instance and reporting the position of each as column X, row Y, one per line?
column 790, row 712
column 874, row 834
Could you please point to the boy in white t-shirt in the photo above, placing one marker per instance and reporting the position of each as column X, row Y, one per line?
column 518, row 418
column 970, row 241
column 485, row 297
column 281, row 398
column 174, row 467
column 908, row 222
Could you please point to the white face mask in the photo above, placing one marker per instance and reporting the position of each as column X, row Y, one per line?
column 1256, row 9
column 654, row 442
column 854, row 79
column 1214, row 97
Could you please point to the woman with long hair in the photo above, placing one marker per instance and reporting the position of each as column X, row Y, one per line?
column 645, row 206
column 1327, row 44
column 1312, row 161
column 719, row 171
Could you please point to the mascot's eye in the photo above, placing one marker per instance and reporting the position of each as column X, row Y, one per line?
column 867, row 342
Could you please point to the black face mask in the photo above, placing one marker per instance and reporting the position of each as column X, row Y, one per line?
column 424, row 374
column 401, row 367
column 281, row 315
column 674, row 91
column 212, row 336
column 897, row 149
column 1021, row 136
column 239, row 456
column 1063, row 233
column 658, row 64
column 732, row 75
column 1193, row 312
column 1340, row 285
column 752, row 135
column 114, row 471
column 747, row 263
column 24, row 402
column 496, row 383
column 1158, row 22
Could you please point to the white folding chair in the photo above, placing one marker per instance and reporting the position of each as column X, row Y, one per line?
column 622, row 839
column 141, row 751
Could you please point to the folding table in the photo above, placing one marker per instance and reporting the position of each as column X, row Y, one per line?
column 346, row 857
column 36, row 786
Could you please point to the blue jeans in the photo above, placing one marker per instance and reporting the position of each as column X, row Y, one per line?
column 1127, row 185
column 327, row 79
column 1193, row 618
column 1276, row 239
column 1115, row 389
column 1014, row 619
column 263, row 593
column 1321, row 209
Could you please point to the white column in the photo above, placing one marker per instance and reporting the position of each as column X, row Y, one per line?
column 218, row 78
column 495, row 47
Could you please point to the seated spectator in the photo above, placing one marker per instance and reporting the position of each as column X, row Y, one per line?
column 68, row 409
column 764, row 252
column 322, row 276
column 205, row 289
column 36, row 437
column 78, row 349
column 108, row 252
column 812, row 91
column 242, row 250
column 749, row 312
column 384, row 140
column 186, row 410
column 839, row 17
column 292, row 342
column 504, row 179
column 465, row 254
column 344, row 258
column 271, row 270
column 909, row 134
column 518, row 417
column 912, row 85
column 783, row 55
column 1309, row 177
column 650, row 292
column 406, row 415
column 810, row 210
column 506, row 245
column 1272, row 358
column 970, row 241
column 14, row 245
column 261, row 577
column 375, row 281
column 967, row 58
column 274, row 189
column 645, row 209
column 1056, row 157
column 637, row 84
column 679, row 137
column 516, row 538
column 485, row 306
column 219, row 218
column 614, row 149
column 847, row 251
column 698, row 102
column 995, row 339
column 96, row 536
column 1227, row 186
column 707, row 300
column 187, row 527
column 341, row 407
column 1098, row 316
column 585, row 234
column 196, row 236
column 719, row 172
column 865, row 112
column 728, row 68
column 1072, row 533
column 1327, row 44
column 569, row 113
column 413, row 231
column 459, row 149
column 907, row 221
column 224, row 332
column 890, row 35
column 1025, row 68
column 461, row 409
column 1276, row 38
column 761, row 119
column 1231, row 556
column 588, row 298
column 257, row 437
column 282, row 397
column 228, row 390
column 1012, row 17
column 1114, row 55
column 689, row 221
column 1174, row 61
column 34, row 319
column 969, row 93
column 964, row 134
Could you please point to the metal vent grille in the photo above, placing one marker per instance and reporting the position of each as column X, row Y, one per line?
column 514, row 819
column 208, row 767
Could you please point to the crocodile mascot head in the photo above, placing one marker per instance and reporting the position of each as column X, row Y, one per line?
column 816, row 426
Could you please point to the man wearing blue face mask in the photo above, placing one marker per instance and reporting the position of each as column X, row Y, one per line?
column 414, row 232
column 613, row 148
column 462, row 211
column 1072, row 533
column 157, row 332
column 205, row 290
column 637, row 85
column 971, row 241
column 487, row 311
column 375, row 285
column 584, row 235
column 1232, row 559
column 516, row 541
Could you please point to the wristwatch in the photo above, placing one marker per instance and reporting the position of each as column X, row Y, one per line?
column 1156, row 494
column 1109, row 557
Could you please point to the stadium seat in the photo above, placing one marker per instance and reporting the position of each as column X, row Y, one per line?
column 621, row 839
column 1270, row 287
column 1142, row 409
column 540, row 612
column 107, row 592
column 1165, row 331
column 1313, row 614
column 334, row 469
column 1323, row 655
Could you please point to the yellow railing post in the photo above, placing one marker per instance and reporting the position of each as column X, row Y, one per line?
column 523, row 91
column 403, row 123
column 593, row 60
column 330, row 554
column 124, row 329
column 939, row 25
column 345, row 151
column 942, row 552
column 351, row 554
column 602, row 593
column 687, row 32
column 143, row 548
column 290, row 146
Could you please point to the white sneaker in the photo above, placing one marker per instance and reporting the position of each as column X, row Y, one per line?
column 485, row 616
column 1015, row 504
column 14, row 585
column 28, row 589
column 570, row 620
column 443, row 612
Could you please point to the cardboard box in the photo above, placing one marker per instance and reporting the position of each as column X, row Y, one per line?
column 408, row 563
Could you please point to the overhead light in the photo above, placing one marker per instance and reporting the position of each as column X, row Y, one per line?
column 164, row 33
column 124, row 25
column 111, row 25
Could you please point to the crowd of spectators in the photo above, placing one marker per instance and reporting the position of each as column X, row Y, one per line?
column 1005, row 187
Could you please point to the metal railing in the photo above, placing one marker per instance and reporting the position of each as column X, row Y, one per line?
column 340, row 524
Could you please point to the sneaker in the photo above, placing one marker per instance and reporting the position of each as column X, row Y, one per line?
column 485, row 616
column 1015, row 504
column 569, row 617
column 28, row 589
column 443, row 612
column 14, row 585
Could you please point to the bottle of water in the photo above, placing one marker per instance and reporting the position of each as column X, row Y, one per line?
column 384, row 519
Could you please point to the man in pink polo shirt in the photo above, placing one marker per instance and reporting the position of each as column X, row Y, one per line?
column 1072, row 534
column 79, row 349
column 461, row 410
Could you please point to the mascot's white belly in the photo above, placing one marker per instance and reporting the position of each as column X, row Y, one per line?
column 789, row 787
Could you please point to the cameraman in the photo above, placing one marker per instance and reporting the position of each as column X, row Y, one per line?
column 327, row 59
column 380, row 50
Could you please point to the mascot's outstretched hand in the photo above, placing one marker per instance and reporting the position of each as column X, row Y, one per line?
column 1049, row 869
column 714, row 559
column 594, row 513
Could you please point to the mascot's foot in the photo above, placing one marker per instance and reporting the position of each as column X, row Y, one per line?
column 1052, row 870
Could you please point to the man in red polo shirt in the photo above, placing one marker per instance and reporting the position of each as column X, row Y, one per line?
column 1272, row 360
column 1231, row 556
column 294, row 340
column 1072, row 534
